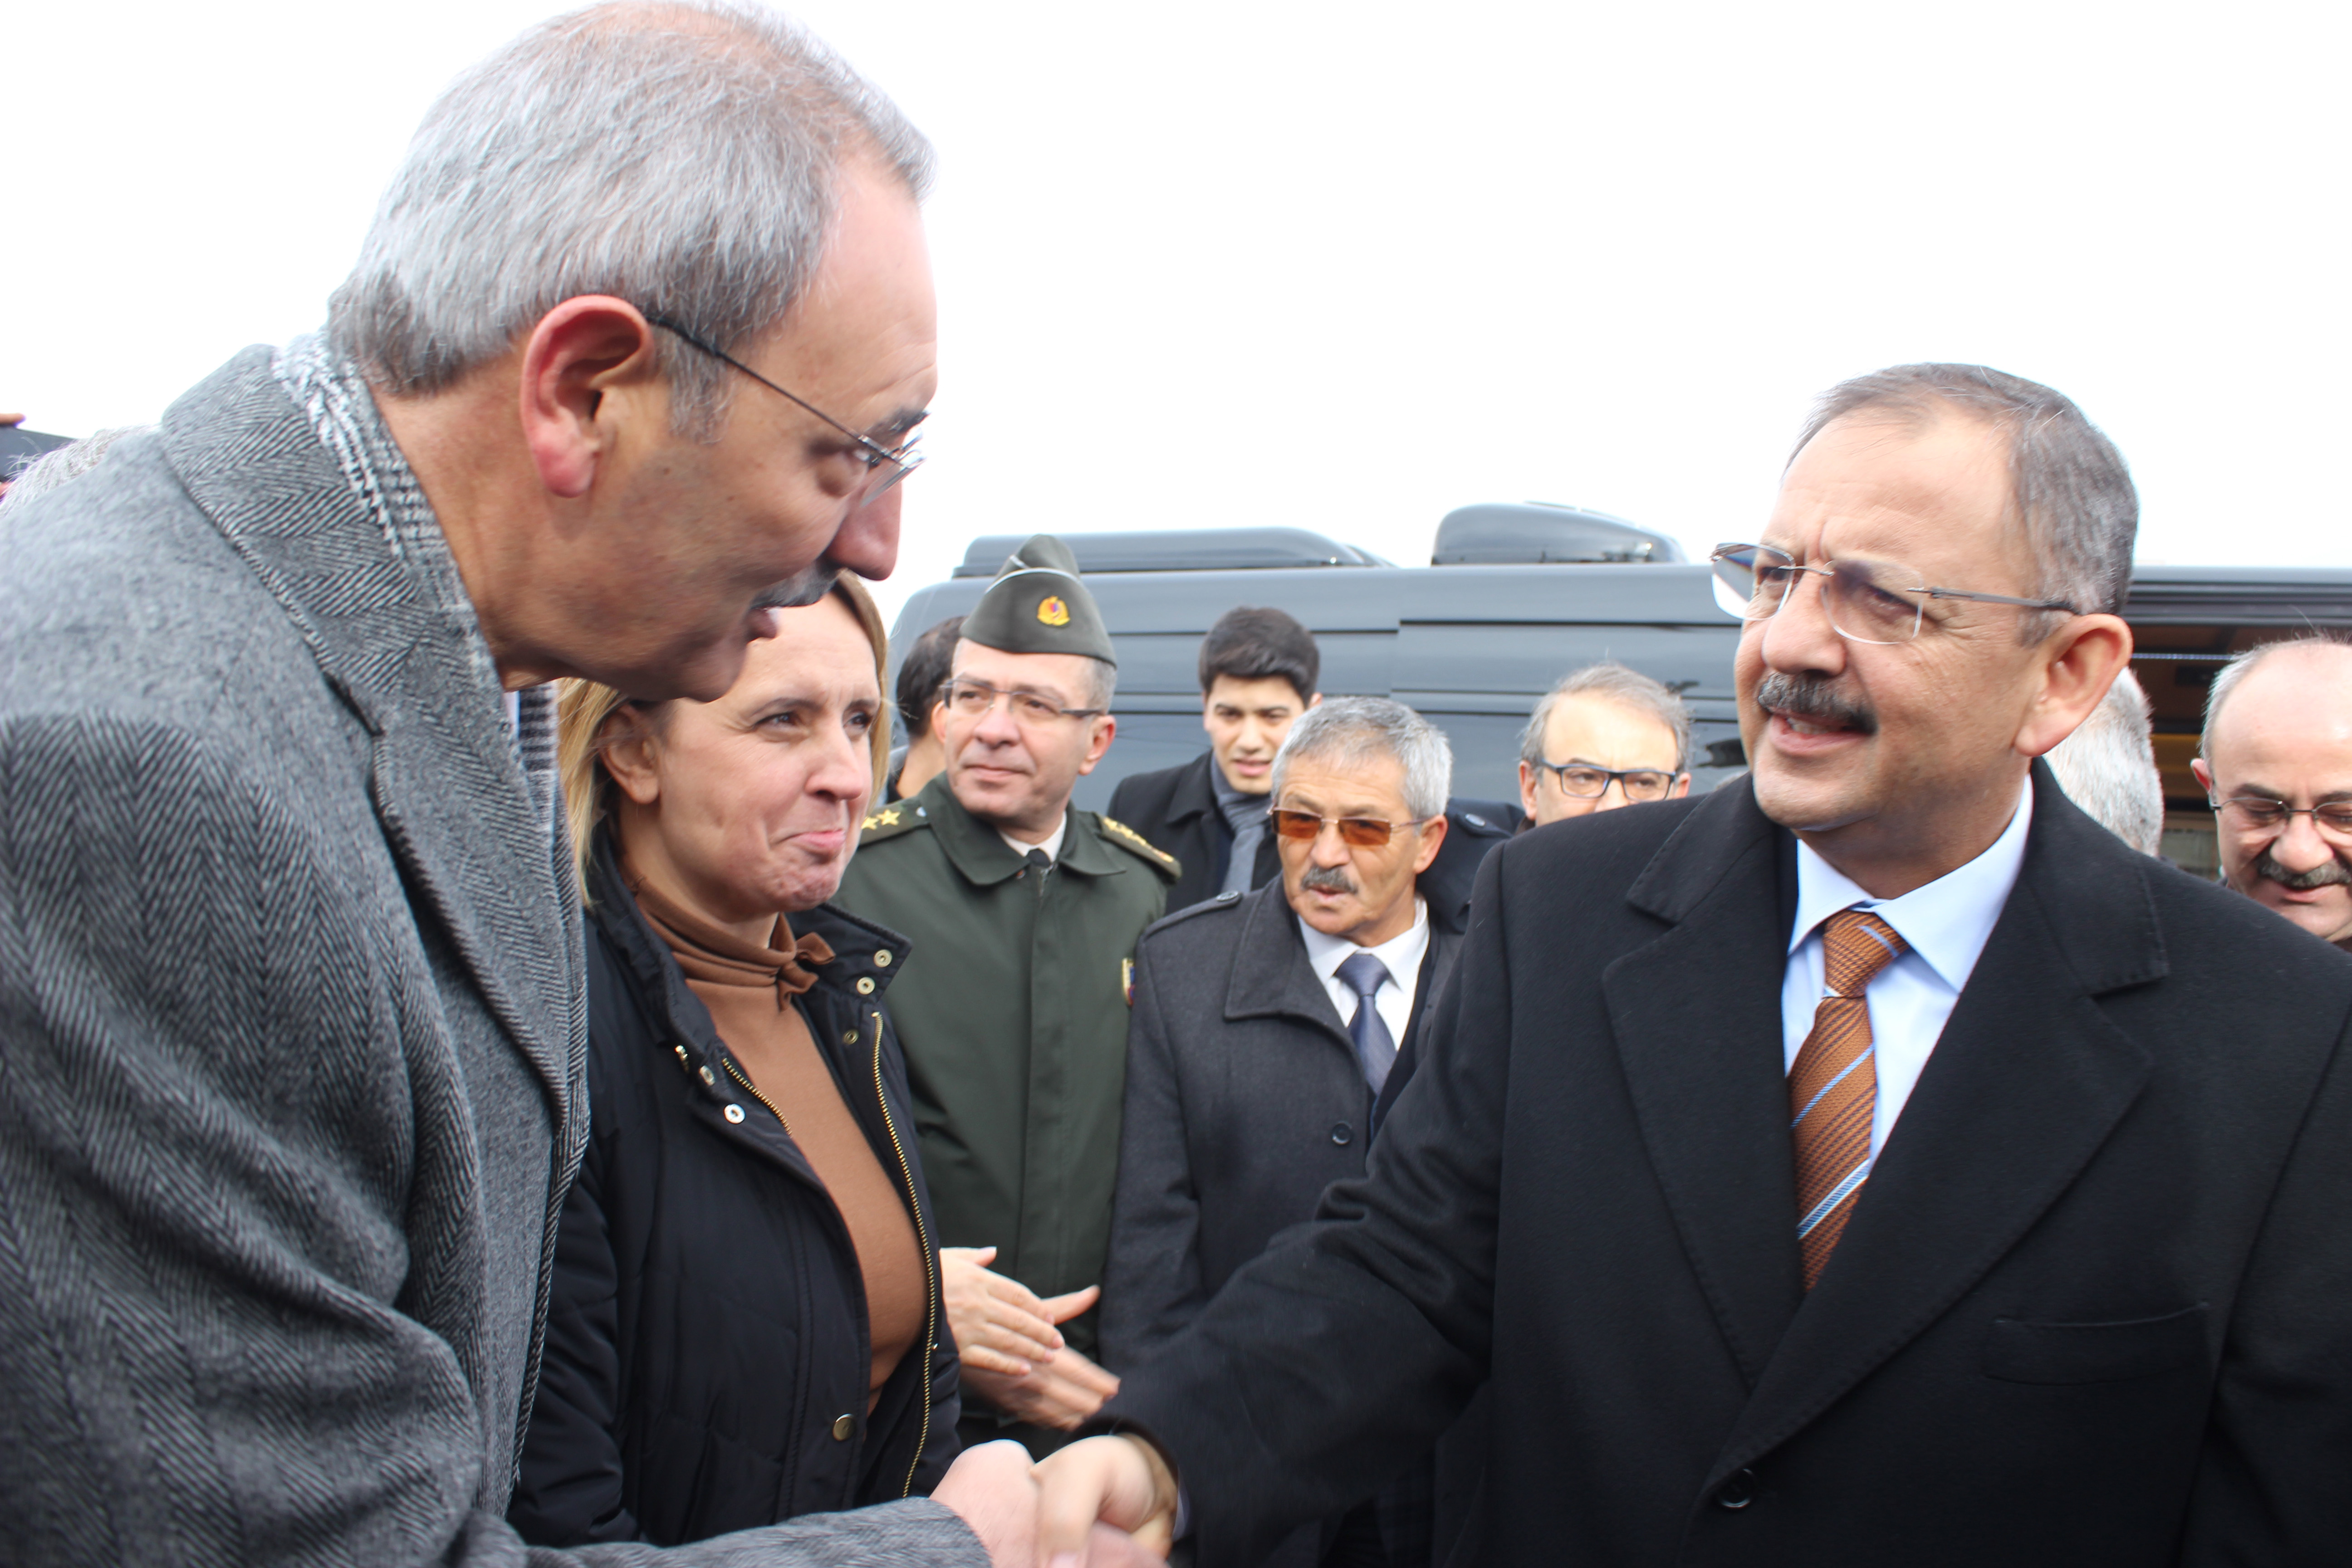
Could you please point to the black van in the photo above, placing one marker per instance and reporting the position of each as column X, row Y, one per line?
column 1516, row 596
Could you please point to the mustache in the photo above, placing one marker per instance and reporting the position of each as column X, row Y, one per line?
column 798, row 591
column 1811, row 697
column 1328, row 880
column 2328, row 873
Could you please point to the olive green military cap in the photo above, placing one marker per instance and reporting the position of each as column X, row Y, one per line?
column 1038, row 605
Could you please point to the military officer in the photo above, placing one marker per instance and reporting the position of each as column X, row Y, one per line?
column 1024, row 916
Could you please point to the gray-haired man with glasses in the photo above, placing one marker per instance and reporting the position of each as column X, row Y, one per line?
column 1604, row 737
column 1871, row 1161
column 2277, row 761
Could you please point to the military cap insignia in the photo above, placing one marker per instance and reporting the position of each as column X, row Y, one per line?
column 1052, row 612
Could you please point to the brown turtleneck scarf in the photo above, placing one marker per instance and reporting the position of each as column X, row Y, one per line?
column 748, row 990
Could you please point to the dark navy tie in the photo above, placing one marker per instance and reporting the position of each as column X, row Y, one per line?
column 1375, row 1047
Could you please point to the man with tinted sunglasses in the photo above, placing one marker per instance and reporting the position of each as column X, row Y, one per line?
column 1272, row 1031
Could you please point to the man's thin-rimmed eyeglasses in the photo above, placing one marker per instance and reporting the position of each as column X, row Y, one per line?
column 1865, row 601
column 885, row 466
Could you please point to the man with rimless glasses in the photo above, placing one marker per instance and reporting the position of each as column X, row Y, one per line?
column 2277, row 761
column 1871, row 1161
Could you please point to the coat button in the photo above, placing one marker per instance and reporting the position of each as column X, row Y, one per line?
column 866, row 985
column 1737, row 1492
column 708, row 1077
column 1341, row 1132
column 844, row 1428
column 882, row 959
column 735, row 1113
column 848, row 1036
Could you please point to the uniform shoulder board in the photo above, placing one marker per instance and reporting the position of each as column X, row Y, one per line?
column 1137, row 845
column 899, row 817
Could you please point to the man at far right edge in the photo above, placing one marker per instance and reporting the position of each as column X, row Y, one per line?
column 2277, row 761
column 1871, row 1162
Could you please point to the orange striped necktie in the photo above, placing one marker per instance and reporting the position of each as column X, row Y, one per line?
column 1834, row 1088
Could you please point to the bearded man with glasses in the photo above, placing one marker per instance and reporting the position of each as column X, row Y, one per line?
column 2276, row 759
column 1025, row 914
column 1871, row 1161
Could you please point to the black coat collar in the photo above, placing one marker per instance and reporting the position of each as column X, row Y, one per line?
column 2026, row 1082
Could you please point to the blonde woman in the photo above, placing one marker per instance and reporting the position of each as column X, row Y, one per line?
column 748, row 1321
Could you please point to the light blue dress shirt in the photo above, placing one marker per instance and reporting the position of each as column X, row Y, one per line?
column 1947, row 923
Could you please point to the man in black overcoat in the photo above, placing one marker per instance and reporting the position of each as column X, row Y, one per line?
column 1873, row 1161
column 1272, row 1031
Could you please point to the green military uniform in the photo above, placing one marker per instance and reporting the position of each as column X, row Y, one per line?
column 1013, row 1010
column 1013, row 1013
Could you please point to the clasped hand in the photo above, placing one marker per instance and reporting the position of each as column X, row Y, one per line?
column 1103, row 1503
column 1013, row 1356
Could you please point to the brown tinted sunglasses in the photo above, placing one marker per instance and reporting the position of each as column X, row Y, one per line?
column 1358, row 832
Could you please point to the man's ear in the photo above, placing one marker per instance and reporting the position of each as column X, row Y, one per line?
column 1432, row 839
column 1528, row 789
column 2077, row 667
column 2204, row 772
column 1106, row 730
column 577, row 359
column 1682, row 787
column 1316, row 700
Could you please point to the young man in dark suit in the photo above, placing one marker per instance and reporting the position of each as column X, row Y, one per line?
column 1258, row 670
column 1873, row 1161
column 1271, row 1032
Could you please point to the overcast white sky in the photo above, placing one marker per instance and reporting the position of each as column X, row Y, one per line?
column 1351, row 266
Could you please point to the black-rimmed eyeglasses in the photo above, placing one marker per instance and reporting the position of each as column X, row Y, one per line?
column 1866, row 601
column 1581, row 781
column 885, row 466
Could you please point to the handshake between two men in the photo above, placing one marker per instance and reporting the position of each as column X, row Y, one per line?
column 1102, row 1502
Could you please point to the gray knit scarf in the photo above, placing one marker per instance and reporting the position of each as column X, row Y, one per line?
column 331, row 390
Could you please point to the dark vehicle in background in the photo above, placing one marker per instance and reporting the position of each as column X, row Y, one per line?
column 1516, row 595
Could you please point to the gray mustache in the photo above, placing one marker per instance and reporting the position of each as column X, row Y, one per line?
column 1811, row 697
column 2329, row 873
column 1328, row 880
column 799, row 591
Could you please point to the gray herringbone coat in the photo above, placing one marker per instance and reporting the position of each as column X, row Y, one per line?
column 291, row 1035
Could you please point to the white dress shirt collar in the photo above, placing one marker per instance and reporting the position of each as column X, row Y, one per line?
column 1052, row 846
column 1400, row 956
column 1947, row 922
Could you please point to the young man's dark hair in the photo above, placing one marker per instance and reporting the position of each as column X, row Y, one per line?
column 923, row 672
column 1253, row 644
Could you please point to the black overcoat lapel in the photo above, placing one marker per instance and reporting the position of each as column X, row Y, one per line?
column 1696, row 1016
column 447, row 785
column 2027, row 1079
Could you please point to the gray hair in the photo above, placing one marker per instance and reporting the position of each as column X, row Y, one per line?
column 54, row 470
column 1611, row 682
column 680, row 154
column 2107, row 766
column 2069, row 485
column 1352, row 730
column 2227, row 679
